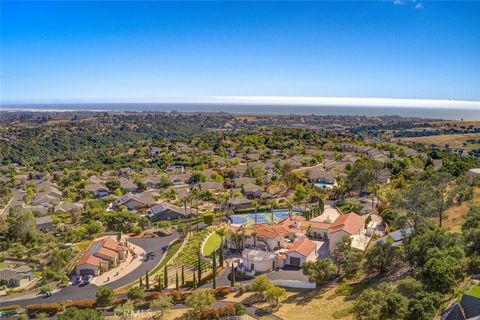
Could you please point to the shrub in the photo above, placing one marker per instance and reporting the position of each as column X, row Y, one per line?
column 179, row 296
column 82, row 304
column 48, row 308
column 119, row 301
column 153, row 295
column 208, row 218
column 240, row 309
column 222, row 292
column 212, row 313
column 10, row 307
column 241, row 288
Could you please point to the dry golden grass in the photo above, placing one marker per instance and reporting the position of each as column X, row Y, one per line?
column 454, row 215
column 308, row 304
column 453, row 140
column 457, row 123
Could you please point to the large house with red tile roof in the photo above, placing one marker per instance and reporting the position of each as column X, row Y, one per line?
column 347, row 225
column 269, row 246
column 101, row 255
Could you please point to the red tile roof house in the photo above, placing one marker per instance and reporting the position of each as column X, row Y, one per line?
column 346, row 225
column 303, row 250
column 101, row 255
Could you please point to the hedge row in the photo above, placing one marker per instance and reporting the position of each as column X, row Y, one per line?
column 180, row 296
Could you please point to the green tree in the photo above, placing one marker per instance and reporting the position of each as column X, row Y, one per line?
column 347, row 259
column 161, row 304
column 200, row 299
column 165, row 277
column 260, row 285
column 232, row 276
column 80, row 314
column 136, row 293
column 383, row 303
column 441, row 195
column 22, row 226
column 319, row 271
column 105, row 296
column 112, row 185
column 274, row 294
column 176, row 281
column 214, row 270
column 472, row 219
column 147, row 280
column 443, row 269
column 383, row 257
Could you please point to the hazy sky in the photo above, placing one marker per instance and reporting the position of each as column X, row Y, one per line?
column 155, row 51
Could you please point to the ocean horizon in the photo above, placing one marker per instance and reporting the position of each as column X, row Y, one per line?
column 260, row 109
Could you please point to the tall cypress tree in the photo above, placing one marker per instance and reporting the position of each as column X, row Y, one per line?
column 147, row 280
column 199, row 266
column 232, row 277
column 176, row 280
column 220, row 257
column 141, row 282
column 183, row 275
column 159, row 284
column 194, row 282
column 214, row 269
column 165, row 277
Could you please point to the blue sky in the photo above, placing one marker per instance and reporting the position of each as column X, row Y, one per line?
column 180, row 51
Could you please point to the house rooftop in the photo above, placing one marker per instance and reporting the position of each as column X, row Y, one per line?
column 258, row 255
column 350, row 223
column 303, row 246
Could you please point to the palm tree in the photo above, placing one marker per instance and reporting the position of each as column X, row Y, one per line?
column 222, row 233
column 254, row 235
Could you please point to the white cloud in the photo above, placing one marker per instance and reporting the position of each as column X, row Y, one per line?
column 419, row 6
column 398, row 2
column 349, row 101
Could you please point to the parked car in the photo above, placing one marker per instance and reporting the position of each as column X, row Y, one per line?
column 77, row 280
column 87, row 279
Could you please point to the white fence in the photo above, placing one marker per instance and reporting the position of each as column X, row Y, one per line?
column 294, row 284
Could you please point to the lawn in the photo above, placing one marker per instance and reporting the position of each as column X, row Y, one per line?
column 212, row 243
column 475, row 291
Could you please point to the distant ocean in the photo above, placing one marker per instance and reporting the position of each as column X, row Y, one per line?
column 431, row 113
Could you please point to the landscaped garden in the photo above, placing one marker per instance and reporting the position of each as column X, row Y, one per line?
column 188, row 256
column 213, row 243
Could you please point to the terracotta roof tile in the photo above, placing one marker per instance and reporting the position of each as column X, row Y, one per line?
column 304, row 247
column 350, row 223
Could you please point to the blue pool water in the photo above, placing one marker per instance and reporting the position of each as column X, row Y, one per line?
column 260, row 217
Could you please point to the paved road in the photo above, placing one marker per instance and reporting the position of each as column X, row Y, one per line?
column 16, row 200
column 150, row 245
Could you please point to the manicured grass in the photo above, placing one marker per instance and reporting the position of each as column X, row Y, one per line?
column 475, row 291
column 2, row 265
column 212, row 244
column 171, row 251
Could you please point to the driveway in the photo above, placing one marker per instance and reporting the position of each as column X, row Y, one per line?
column 16, row 200
column 152, row 247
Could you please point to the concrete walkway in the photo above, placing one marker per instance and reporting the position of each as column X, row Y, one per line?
column 124, row 268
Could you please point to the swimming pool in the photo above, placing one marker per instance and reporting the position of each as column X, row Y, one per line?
column 261, row 217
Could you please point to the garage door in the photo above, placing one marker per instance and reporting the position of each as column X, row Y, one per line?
column 295, row 261
column 87, row 272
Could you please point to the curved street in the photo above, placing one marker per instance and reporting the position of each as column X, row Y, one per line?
column 153, row 249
